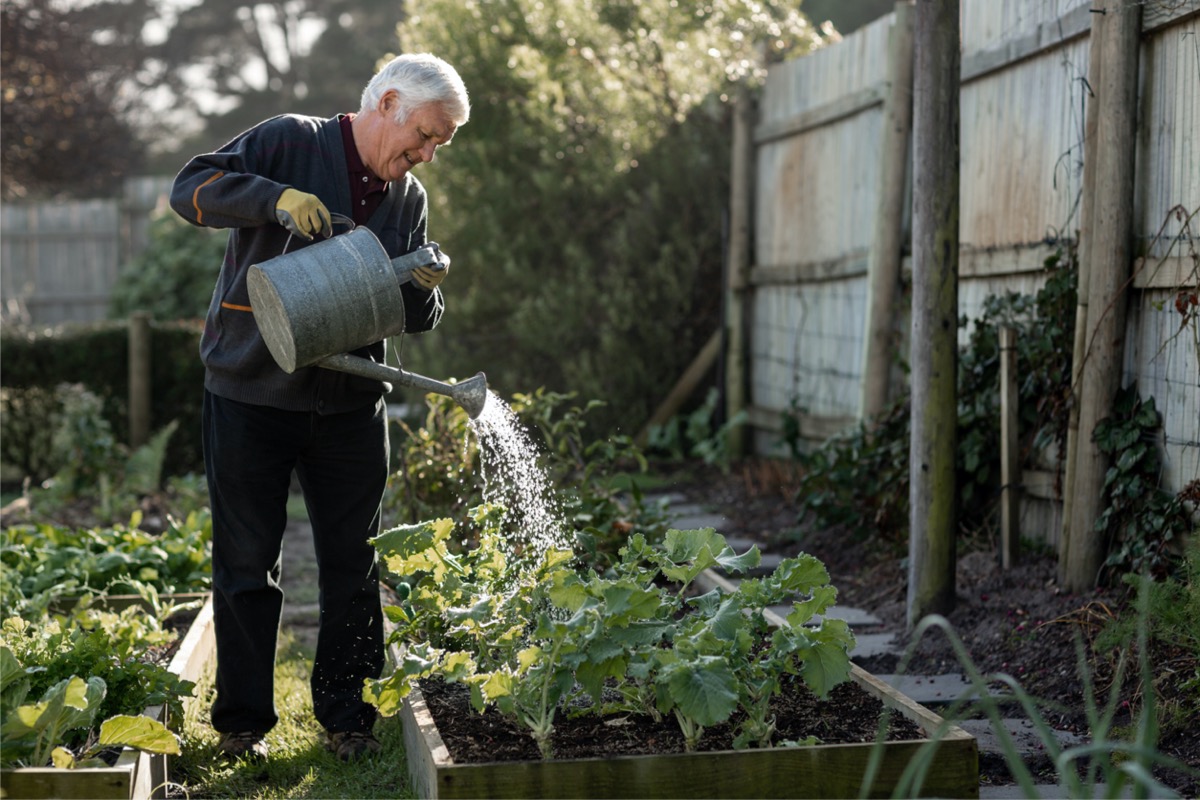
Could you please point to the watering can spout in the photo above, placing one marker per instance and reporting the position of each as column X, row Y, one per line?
column 471, row 394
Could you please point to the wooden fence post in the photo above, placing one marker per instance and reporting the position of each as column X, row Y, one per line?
column 933, row 493
column 1079, row 347
column 139, row 378
column 1111, row 256
column 883, row 264
column 1010, row 455
column 741, row 196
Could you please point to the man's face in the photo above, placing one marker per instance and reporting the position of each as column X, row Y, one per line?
column 401, row 146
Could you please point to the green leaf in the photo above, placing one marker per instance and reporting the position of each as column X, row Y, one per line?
column 10, row 668
column 626, row 600
column 802, row 612
column 483, row 610
column 143, row 733
column 733, row 563
column 82, row 702
column 684, row 546
column 497, row 685
column 62, row 758
column 592, row 675
column 800, row 574
column 827, row 662
column 568, row 592
column 457, row 667
column 704, row 689
column 728, row 619
column 387, row 694
column 641, row 634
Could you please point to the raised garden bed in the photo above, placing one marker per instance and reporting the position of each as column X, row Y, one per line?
column 666, row 643
column 135, row 774
column 825, row 770
column 832, row 770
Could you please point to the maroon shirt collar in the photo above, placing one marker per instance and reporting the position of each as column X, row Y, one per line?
column 366, row 190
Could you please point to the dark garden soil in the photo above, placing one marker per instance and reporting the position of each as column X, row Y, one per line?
column 1018, row 622
column 848, row 715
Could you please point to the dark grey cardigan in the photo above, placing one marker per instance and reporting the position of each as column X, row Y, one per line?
column 237, row 187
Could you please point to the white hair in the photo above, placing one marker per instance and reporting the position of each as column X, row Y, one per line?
column 419, row 79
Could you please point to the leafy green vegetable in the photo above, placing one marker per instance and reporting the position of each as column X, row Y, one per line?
column 536, row 641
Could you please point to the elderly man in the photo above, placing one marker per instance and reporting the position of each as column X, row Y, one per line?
column 277, row 186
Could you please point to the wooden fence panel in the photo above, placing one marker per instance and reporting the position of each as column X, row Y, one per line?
column 1024, row 100
column 1162, row 358
column 59, row 260
column 1163, row 361
column 1022, row 151
column 1008, row 26
column 1168, row 152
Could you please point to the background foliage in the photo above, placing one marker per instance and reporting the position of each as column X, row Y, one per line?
column 583, row 202
column 173, row 277
column 97, row 356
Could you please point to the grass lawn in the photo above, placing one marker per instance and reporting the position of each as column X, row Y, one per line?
column 299, row 766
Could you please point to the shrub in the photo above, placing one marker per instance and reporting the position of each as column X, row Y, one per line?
column 173, row 277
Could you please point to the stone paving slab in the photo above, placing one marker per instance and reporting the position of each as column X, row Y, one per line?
column 934, row 690
column 699, row 519
column 870, row 645
column 1023, row 736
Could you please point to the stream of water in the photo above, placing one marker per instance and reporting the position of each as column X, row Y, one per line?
column 513, row 478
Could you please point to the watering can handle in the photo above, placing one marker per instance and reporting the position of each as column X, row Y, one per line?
column 336, row 219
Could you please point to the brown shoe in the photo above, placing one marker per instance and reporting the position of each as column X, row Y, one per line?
column 249, row 745
column 351, row 745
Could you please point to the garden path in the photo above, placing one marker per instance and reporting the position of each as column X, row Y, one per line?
column 301, row 611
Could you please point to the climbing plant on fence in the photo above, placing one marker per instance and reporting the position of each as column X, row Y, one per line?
column 862, row 476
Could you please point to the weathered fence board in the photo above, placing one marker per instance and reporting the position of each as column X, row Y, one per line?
column 1022, row 150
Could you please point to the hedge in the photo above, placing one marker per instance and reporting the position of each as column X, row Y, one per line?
column 97, row 356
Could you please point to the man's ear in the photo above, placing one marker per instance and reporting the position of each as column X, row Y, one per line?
column 389, row 103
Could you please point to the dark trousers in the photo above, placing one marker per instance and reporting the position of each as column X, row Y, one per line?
column 341, row 461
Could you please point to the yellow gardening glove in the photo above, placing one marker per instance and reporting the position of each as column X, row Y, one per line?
column 303, row 214
column 429, row 278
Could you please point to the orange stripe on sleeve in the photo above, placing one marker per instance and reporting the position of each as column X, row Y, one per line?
column 236, row 307
column 196, row 197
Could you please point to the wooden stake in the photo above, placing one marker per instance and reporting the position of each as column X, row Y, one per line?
column 740, row 216
column 1010, row 456
column 683, row 387
column 1086, row 234
column 139, row 378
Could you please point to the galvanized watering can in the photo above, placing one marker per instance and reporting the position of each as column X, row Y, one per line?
column 314, row 305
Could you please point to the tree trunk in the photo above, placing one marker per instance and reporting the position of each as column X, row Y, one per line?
column 933, row 493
